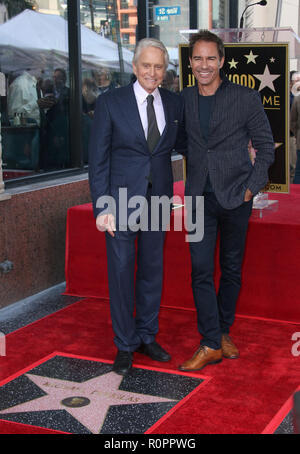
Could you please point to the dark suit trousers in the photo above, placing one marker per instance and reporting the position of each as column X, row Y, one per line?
column 216, row 312
column 127, row 291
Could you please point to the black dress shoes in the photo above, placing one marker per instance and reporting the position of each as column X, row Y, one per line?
column 155, row 351
column 123, row 362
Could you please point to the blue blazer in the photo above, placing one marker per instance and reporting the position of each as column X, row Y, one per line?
column 118, row 151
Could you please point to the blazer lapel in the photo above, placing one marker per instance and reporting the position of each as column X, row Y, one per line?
column 194, row 112
column 131, row 113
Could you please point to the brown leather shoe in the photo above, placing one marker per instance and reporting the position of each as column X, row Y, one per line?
column 229, row 350
column 203, row 356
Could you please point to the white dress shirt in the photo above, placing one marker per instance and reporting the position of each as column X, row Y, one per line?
column 22, row 97
column 141, row 98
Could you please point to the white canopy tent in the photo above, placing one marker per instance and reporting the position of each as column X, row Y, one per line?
column 33, row 40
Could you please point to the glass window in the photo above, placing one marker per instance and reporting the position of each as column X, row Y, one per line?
column 34, row 57
column 218, row 14
column 35, row 110
column 125, row 38
column 125, row 20
column 106, row 53
column 167, row 21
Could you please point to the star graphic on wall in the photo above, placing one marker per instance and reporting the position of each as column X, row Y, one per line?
column 266, row 79
column 272, row 59
column 251, row 58
column 233, row 63
column 87, row 402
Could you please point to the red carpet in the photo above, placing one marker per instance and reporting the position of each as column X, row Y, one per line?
column 250, row 395
column 271, row 286
column 242, row 396
column 281, row 415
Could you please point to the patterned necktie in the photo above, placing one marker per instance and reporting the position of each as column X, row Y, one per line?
column 153, row 131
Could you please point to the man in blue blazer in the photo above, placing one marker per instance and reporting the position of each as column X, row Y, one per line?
column 221, row 118
column 132, row 138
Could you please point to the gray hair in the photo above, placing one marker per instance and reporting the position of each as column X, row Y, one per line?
column 150, row 42
column 295, row 75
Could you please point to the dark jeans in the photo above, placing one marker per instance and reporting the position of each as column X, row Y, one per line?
column 215, row 313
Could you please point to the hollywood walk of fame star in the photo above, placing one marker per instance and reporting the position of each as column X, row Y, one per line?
column 88, row 402
column 266, row 79
column 251, row 57
column 233, row 63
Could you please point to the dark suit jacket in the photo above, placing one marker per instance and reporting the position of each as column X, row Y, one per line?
column 118, row 151
column 237, row 116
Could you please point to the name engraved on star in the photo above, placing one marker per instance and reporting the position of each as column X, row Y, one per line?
column 58, row 386
column 109, row 395
column 115, row 396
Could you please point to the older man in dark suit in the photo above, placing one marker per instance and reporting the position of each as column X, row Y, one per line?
column 221, row 118
column 134, row 132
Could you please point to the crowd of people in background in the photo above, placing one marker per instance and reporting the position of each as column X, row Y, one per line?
column 43, row 103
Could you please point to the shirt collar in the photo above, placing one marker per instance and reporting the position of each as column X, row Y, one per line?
column 141, row 94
